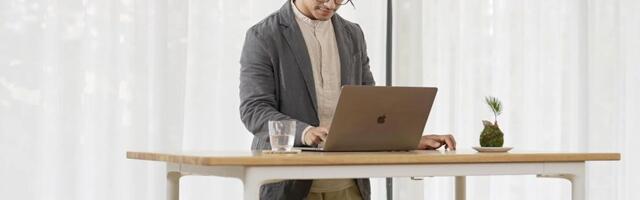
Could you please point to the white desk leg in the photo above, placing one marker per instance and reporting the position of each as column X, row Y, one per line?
column 251, row 189
column 254, row 177
column 574, row 173
column 577, row 184
column 461, row 187
column 173, row 181
column 578, row 187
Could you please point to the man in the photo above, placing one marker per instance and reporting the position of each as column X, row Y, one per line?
column 293, row 64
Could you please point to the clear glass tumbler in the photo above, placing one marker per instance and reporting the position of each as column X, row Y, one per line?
column 281, row 134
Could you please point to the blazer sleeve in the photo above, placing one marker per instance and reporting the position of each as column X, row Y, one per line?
column 367, row 77
column 258, row 99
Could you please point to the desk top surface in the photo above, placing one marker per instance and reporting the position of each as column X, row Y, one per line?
column 257, row 158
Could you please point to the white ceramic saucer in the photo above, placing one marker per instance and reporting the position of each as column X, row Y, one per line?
column 493, row 149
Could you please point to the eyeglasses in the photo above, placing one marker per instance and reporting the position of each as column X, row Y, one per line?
column 337, row 2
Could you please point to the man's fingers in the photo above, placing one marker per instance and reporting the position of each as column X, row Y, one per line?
column 317, row 137
column 453, row 139
column 323, row 130
column 434, row 144
column 449, row 142
column 437, row 141
column 422, row 144
column 317, row 140
column 321, row 135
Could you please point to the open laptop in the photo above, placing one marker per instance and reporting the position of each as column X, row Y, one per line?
column 370, row 118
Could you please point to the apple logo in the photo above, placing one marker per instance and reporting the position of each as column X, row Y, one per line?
column 381, row 119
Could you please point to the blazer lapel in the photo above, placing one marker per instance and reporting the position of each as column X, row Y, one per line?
column 344, row 50
column 289, row 28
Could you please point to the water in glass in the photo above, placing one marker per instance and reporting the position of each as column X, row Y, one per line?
column 281, row 134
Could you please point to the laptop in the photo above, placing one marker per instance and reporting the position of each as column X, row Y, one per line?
column 375, row 118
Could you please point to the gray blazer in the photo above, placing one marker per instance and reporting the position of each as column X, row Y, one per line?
column 276, row 83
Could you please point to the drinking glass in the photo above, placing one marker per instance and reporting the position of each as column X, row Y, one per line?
column 281, row 134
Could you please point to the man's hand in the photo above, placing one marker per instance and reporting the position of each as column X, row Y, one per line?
column 431, row 142
column 315, row 135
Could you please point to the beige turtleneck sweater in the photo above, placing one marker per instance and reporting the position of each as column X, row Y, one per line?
column 325, row 63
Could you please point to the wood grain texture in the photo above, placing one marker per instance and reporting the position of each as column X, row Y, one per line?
column 256, row 158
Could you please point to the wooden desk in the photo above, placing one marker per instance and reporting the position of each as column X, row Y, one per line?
column 255, row 168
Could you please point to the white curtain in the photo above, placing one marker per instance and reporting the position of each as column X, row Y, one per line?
column 567, row 72
column 84, row 81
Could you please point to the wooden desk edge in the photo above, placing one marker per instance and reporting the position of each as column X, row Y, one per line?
column 280, row 160
column 150, row 156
